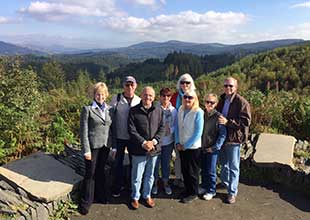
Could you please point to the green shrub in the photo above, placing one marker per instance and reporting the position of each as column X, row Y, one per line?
column 20, row 104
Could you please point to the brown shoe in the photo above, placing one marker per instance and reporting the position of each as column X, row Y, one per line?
column 150, row 202
column 231, row 199
column 135, row 204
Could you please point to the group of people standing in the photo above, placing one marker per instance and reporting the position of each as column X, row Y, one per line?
column 151, row 131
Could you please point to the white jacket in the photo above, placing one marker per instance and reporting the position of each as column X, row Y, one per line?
column 121, row 116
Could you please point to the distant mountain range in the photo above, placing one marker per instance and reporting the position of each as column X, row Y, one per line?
column 12, row 49
column 160, row 50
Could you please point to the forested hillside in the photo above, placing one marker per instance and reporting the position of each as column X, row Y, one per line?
column 277, row 84
column 175, row 64
column 284, row 68
column 41, row 99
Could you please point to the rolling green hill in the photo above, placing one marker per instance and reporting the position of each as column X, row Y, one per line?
column 283, row 68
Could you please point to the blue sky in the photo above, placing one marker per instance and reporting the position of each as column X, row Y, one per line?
column 117, row 23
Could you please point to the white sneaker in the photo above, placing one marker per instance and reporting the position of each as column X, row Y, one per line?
column 168, row 189
column 154, row 190
column 201, row 190
column 208, row 196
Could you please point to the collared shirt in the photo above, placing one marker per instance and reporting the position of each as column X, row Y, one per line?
column 226, row 106
column 101, row 110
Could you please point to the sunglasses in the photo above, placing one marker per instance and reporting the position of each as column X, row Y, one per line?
column 230, row 86
column 185, row 82
column 188, row 97
column 210, row 102
column 129, row 84
column 165, row 95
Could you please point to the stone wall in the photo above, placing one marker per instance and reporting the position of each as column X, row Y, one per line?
column 16, row 202
column 35, row 186
column 296, row 177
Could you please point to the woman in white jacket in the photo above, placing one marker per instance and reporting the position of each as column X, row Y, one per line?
column 188, row 141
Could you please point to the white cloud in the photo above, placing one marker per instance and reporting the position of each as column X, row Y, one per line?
column 152, row 3
column 144, row 2
column 59, row 10
column 9, row 20
column 4, row 20
column 187, row 25
column 300, row 31
column 302, row 5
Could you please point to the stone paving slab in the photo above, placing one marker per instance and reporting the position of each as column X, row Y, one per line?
column 273, row 149
column 41, row 176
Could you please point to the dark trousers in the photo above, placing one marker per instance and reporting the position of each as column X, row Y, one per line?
column 190, row 170
column 94, row 179
column 118, row 173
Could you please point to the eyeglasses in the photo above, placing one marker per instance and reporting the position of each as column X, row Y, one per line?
column 165, row 95
column 129, row 84
column 185, row 82
column 210, row 102
column 188, row 97
column 227, row 85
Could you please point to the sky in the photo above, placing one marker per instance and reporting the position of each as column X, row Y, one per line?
column 118, row 23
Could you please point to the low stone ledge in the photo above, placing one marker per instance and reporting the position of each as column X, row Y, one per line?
column 41, row 176
column 33, row 187
column 274, row 149
column 295, row 177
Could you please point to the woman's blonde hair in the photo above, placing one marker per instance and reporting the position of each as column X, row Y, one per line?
column 195, row 105
column 211, row 95
column 100, row 86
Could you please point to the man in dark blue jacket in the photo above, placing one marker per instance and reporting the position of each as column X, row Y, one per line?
column 145, row 127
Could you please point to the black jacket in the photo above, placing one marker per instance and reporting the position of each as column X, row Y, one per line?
column 210, row 129
column 144, row 125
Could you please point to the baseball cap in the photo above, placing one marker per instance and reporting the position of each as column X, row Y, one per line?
column 129, row 79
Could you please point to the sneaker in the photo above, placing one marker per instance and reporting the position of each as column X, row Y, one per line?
column 189, row 199
column 208, row 196
column 82, row 210
column 167, row 189
column 231, row 199
column 154, row 190
column 178, row 183
column 201, row 190
column 116, row 194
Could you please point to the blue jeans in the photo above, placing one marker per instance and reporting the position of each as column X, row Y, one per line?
column 164, row 160
column 208, row 174
column 142, row 168
column 230, row 163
